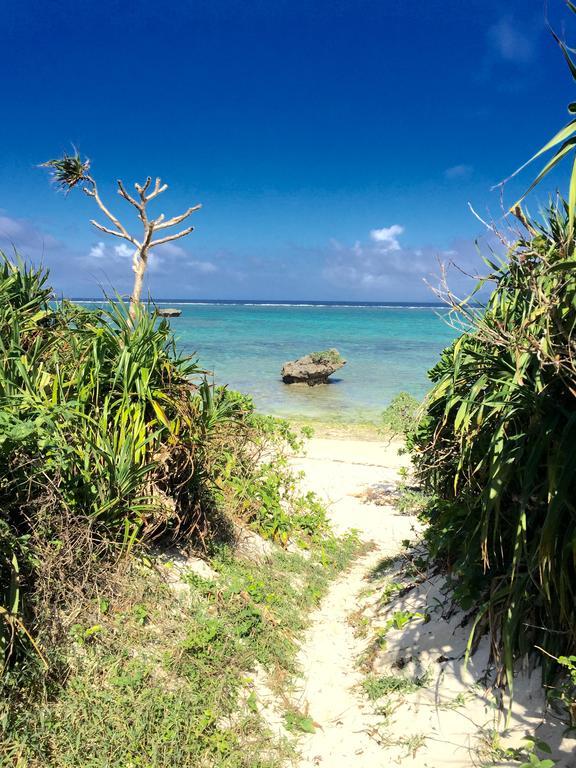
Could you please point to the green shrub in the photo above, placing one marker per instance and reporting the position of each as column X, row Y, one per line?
column 110, row 437
column 496, row 449
column 256, row 482
column 401, row 416
column 327, row 356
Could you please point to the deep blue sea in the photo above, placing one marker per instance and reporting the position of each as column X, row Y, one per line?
column 388, row 348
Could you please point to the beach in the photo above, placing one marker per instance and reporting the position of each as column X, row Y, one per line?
column 288, row 391
column 448, row 714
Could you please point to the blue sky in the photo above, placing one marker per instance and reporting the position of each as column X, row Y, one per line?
column 333, row 144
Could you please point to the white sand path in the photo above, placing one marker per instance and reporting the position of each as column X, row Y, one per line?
column 349, row 733
column 338, row 470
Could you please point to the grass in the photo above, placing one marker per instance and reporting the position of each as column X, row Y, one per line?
column 359, row 622
column 337, row 428
column 494, row 446
column 382, row 569
column 377, row 687
column 160, row 682
column 412, row 743
column 460, row 700
column 298, row 722
column 391, row 425
column 353, row 427
column 109, row 438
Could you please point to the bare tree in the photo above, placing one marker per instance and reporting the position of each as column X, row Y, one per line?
column 70, row 171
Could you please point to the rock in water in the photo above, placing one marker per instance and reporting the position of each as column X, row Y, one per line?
column 168, row 312
column 313, row 368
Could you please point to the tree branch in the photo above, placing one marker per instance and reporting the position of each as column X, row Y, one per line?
column 94, row 193
column 149, row 231
column 126, row 196
column 175, row 236
column 122, row 235
column 176, row 219
column 158, row 189
column 142, row 189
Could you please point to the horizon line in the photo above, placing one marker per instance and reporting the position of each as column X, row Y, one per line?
column 291, row 302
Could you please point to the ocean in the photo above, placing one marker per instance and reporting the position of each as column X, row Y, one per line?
column 388, row 347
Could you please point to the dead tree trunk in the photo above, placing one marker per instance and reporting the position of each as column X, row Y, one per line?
column 144, row 245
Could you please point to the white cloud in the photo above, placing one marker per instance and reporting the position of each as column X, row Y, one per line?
column 458, row 172
column 109, row 256
column 10, row 228
column 370, row 280
column 387, row 237
column 362, row 264
column 510, row 42
column 367, row 269
column 169, row 249
column 154, row 262
column 97, row 251
column 375, row 266
column 205, row 267
column 124, row 250
column 24, row 236
column 106, row 264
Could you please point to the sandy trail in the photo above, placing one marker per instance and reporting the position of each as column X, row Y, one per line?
column 448, row 721
column 337, row 471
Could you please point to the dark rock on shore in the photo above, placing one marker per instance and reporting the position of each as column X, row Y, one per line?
column 168, row 312
column 312, row 369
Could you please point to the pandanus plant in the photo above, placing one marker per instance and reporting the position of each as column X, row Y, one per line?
column 72, row 170
column 495, row 446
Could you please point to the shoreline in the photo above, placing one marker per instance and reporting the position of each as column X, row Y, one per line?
column 337, row 429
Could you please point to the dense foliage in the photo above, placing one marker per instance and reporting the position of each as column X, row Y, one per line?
column 401, row 416
column 496, row 449
column 109, row 437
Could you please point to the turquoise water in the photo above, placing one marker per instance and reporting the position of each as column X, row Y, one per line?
column 388, row 349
